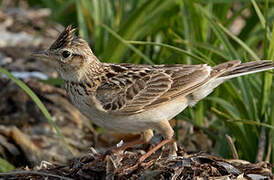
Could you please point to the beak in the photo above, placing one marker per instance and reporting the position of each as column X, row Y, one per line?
column 41, row 54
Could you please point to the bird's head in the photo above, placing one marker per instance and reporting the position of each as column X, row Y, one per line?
column 71, row 54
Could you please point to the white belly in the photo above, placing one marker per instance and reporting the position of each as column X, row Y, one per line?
column 128, row 123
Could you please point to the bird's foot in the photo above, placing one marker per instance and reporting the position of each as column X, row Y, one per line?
column 173, row 149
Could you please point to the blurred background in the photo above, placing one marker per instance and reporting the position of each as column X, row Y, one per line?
column 235, row 121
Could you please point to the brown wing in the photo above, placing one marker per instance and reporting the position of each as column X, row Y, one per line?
column 129, row 89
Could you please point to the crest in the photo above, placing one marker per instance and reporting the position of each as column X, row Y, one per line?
column 64, row 39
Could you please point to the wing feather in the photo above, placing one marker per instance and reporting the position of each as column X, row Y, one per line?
column 134, row 89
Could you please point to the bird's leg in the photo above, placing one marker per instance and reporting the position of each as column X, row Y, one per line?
column 145, row 138
column 166, row 130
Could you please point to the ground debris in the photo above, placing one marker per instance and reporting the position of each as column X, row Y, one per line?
column 26, row 138
column 124, row 165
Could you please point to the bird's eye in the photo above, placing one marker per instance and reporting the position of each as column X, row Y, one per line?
column 66, row 54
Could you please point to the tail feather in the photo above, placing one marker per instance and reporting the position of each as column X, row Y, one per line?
column 249, row 68
column 226, row 71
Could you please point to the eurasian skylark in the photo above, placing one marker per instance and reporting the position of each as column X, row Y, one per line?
column 132, row 98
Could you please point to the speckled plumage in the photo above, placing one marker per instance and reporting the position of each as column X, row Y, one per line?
column 136, row 98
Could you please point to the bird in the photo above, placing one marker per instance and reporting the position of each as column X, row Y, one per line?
column 130, row 98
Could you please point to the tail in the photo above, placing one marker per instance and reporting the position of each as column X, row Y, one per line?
column 247, row 68
column 226, row 71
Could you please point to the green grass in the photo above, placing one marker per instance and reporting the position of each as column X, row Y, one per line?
column 157, row 32
column 5, row 166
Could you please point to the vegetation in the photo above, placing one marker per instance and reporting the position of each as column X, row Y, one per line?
column 191, row 32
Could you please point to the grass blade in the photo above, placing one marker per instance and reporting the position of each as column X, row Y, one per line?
column 41, row 106
column 5, row 166
column 239, row 41
column 127, row 44
column 169, row 47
